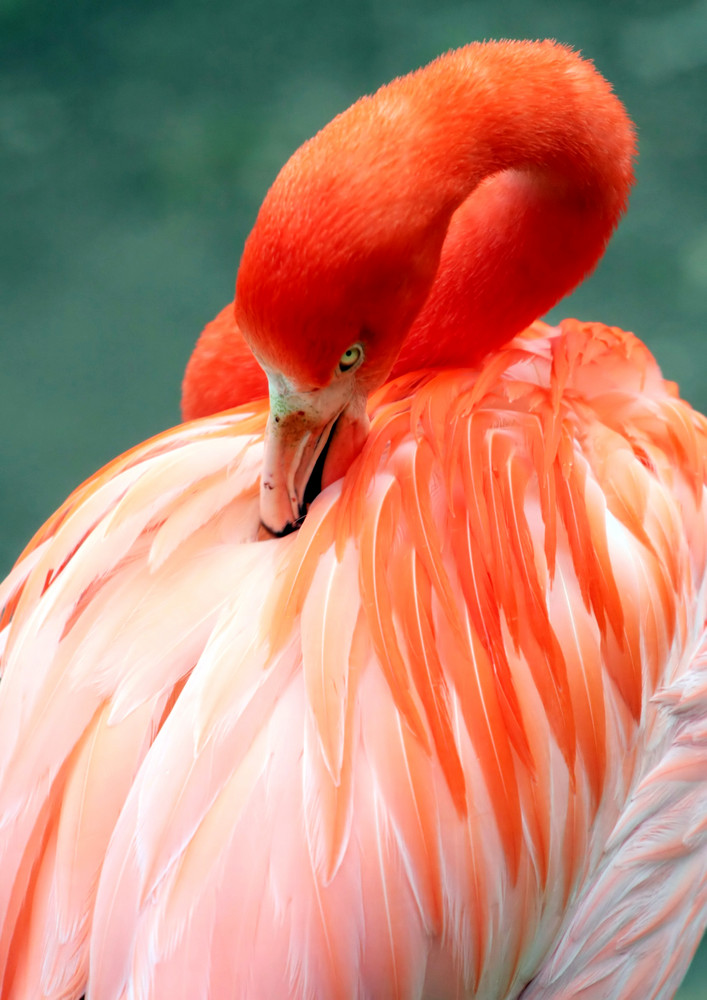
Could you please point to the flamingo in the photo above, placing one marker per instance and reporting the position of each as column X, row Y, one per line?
column 394, row 685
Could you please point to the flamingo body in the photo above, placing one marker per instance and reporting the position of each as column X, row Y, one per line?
column 448, row 739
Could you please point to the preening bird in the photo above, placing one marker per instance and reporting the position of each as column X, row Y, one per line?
column 394, row 686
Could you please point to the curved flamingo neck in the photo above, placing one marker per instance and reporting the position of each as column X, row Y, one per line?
column 512, row 251
column 551, row 167
column 445, row 213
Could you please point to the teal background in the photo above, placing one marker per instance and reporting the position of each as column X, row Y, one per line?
column 137, row 140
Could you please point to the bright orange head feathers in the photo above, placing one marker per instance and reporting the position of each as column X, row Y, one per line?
column 336, row 256
column 347, row 243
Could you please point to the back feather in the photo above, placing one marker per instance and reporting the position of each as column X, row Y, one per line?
column 439, row 742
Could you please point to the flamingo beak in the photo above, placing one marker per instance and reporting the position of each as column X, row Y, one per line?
column 311, row 439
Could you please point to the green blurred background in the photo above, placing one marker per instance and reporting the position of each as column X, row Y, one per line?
column 138, row 138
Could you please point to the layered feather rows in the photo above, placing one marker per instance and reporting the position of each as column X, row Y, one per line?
column 466, row 665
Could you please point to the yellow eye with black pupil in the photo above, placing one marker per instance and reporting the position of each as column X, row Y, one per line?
column 350, row 359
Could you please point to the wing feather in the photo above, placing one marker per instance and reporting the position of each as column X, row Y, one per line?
column 448, row 737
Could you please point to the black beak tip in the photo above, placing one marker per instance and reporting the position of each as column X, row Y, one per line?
column 287, row 530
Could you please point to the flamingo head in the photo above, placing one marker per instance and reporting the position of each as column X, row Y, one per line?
column 516, row 151
column 332, row 276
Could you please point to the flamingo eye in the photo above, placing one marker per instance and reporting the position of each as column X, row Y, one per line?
column 350, row 359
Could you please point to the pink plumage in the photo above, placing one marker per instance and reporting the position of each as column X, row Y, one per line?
column 449, row 738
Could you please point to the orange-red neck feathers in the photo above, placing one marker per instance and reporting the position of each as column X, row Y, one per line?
column 221, row 372
column 451, row 208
